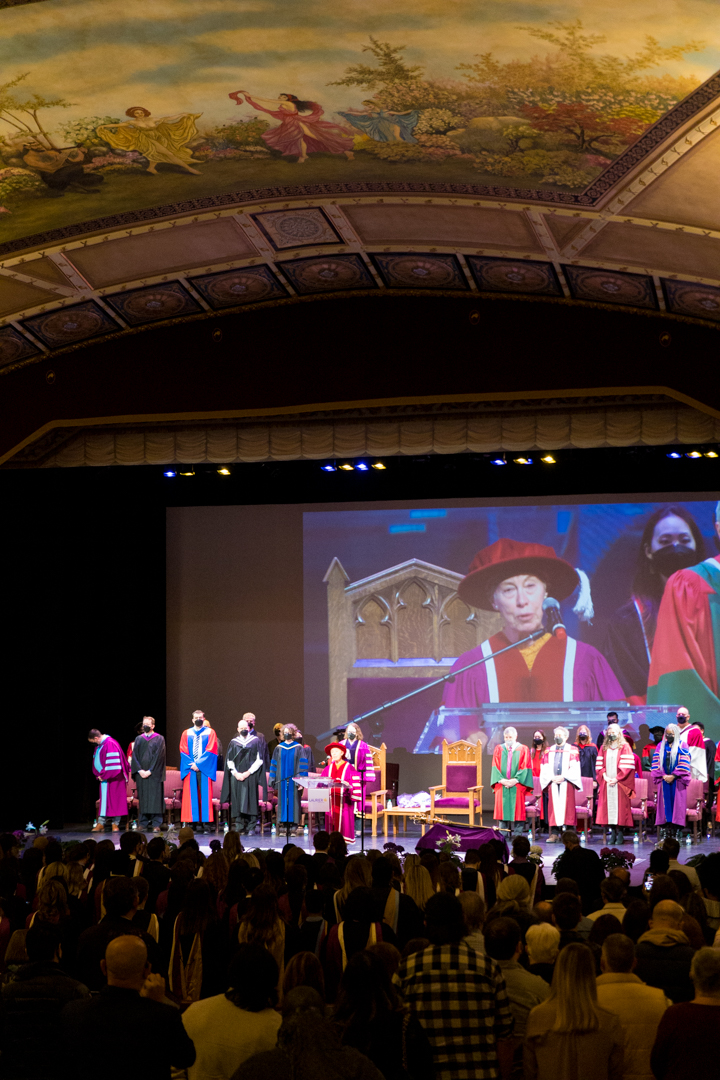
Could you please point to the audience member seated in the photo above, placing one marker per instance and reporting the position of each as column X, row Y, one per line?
column 418, row 883
column 542, row 942
column 31, row 1004
column 612, row 892
column 567, row 885
column 525, row 867
column 658, row 863
column 130, row 1012
column 197, row 961
column 584, row 867
column 308, row 1047
column 120, row 897
column 304, row 970
column 356, row 875
column 672, row 848
column 503, row 943
column 261, row 923
column 371, row 1017
column 358, row 929
column 638, row 1007
column 709, row 874
column 393, row 908
column 389, row 956
column 310, row 935
column 664, row 953
column 686, row 1043
column 474, row 914
column 228, row 1028
column 570, row 1035
column 637, row 918
column 470, row 1032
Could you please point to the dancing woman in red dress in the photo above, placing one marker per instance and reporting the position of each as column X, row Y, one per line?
column 301, row 131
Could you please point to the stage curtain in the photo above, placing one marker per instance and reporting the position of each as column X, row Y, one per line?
column 291, row 440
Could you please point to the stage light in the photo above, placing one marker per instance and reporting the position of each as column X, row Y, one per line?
column 498, row 461
column 188, row 472
column 548, row 459
column 523, row 460
column 379, row 465
column 674, row 454
column 347, row 468
column 710, row 453
column 329, row 468
column 169, row 472
column 224, row 471
column 694, row 454
column 362, row 466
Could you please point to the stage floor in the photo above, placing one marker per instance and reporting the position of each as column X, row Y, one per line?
column 272, row 842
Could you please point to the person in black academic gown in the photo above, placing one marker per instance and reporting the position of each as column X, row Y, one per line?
column 244, row 763
column 148, row 772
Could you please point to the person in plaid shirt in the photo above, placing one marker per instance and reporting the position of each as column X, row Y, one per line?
column 459, row 997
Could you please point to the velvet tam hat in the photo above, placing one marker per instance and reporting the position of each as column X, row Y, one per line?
column 506, row 558
column 334, row 746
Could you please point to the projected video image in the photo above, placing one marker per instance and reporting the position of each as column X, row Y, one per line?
column 396, row 599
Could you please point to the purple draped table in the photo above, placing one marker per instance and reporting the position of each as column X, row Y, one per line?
column 471, row 836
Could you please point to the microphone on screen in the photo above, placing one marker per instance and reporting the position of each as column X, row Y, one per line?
column 553, row 620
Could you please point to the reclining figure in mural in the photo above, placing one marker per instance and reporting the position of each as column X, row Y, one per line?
column 301, row 131
column 162, row 140
column 514, row 578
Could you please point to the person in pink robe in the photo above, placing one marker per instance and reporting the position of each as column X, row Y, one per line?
column 301, row 131
column 110, row 766
column 344, row 794
column 615, row 768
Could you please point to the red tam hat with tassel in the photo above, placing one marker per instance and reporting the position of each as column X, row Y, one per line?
column 507, row 558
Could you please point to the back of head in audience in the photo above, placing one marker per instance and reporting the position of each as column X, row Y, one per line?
column 120, row 896
column 444, row 920
column 502, row 937
column 366, row 992
column 709, row 874
column 659, row 861
column 415, row 945
column 618, row 954
column 382, row 873
column 666, row 914
column 567, row 911
column 574, row 991
column 42, row 943
column 663, row 888
column 514, row 887
column 671, row 847
column 612, row 890
column 473, row 907
column 521, row 847
column 321, row 840
column 603, row 927
column 252, row 978
column 388, row 955
column 304, row 969
column 542, row 941
column 567, row 884
column 543, row 911
column 705, row 973
column 637, row 915
column 126, row 963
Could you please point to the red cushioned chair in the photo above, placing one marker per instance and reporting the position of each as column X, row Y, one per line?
column 218, row 806
column 267, row 801
column 639, row 807
column 534, row 806
column 172, row 794
column 132, row 801
column 461, row 789
column 584, row 804
column 651, row 798
column 694, row 806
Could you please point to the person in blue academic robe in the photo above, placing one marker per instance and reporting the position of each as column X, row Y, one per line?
column 289, row 759
column 198, row 768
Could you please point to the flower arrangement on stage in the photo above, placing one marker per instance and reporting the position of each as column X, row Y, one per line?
column 395, row 849
column 612, row 857
column 451, row 842
column 535, row 855
column 32, row 830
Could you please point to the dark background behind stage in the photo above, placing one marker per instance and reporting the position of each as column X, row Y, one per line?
column 83, row 595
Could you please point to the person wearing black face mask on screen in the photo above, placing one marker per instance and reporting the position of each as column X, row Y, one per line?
column 671, row 541
column 148, row 772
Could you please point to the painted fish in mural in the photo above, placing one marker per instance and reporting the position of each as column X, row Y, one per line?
column 301, row 131
column 160, row 140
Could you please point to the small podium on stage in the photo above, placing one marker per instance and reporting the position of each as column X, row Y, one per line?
column 318, row 789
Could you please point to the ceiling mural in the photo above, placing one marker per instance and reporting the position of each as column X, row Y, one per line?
column 566, row 150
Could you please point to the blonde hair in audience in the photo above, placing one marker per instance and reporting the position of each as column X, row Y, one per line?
column 543, row 942
column 418, row 884
column 574, row 991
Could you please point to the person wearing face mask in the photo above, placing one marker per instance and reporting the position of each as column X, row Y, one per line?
column 692, row 737
column 345, row 793
column 646, row 759
column 671, row 776
column 198, row 768
column 537, row 750
column 358, row 753
column 511, row 779
column 616, row 775
column 148, row 771
column 670, row 541
column 243, row 769
column 513, row 579
column 252, row 724
column 289, row 759
column 685, row 662
column 587, row 751
column 560, row 774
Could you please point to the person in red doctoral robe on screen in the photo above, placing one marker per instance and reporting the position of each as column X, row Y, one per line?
column 301, row 131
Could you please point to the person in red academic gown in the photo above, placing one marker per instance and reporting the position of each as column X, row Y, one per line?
column 560, row 773
column 615, row 768
column 344, row 794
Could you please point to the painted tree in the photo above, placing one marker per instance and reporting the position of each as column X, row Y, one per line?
column 390, row 68
column 20, row 112
column 584, row 128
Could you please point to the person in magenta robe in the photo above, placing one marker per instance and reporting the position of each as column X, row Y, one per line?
column 615, row 768
column 110, row 765
column 301, row 131
column 560, row 774
column 345, row 792
column 514, row 578
column 671, row 776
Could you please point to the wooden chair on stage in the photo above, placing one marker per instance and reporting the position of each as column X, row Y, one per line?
column 584, row 805
column 639, row 807
column 172, row 794
column 461, row 788
column 694, row 806
column 376, row 792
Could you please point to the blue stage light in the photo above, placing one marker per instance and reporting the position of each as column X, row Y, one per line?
column 498, row 461
column 674, row 454
column 328, row 468
column 170, row 472
column 362, row 466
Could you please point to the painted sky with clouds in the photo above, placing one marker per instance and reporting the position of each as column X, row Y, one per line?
column 187, row 55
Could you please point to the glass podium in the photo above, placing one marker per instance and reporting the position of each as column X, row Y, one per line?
column 485, row 723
